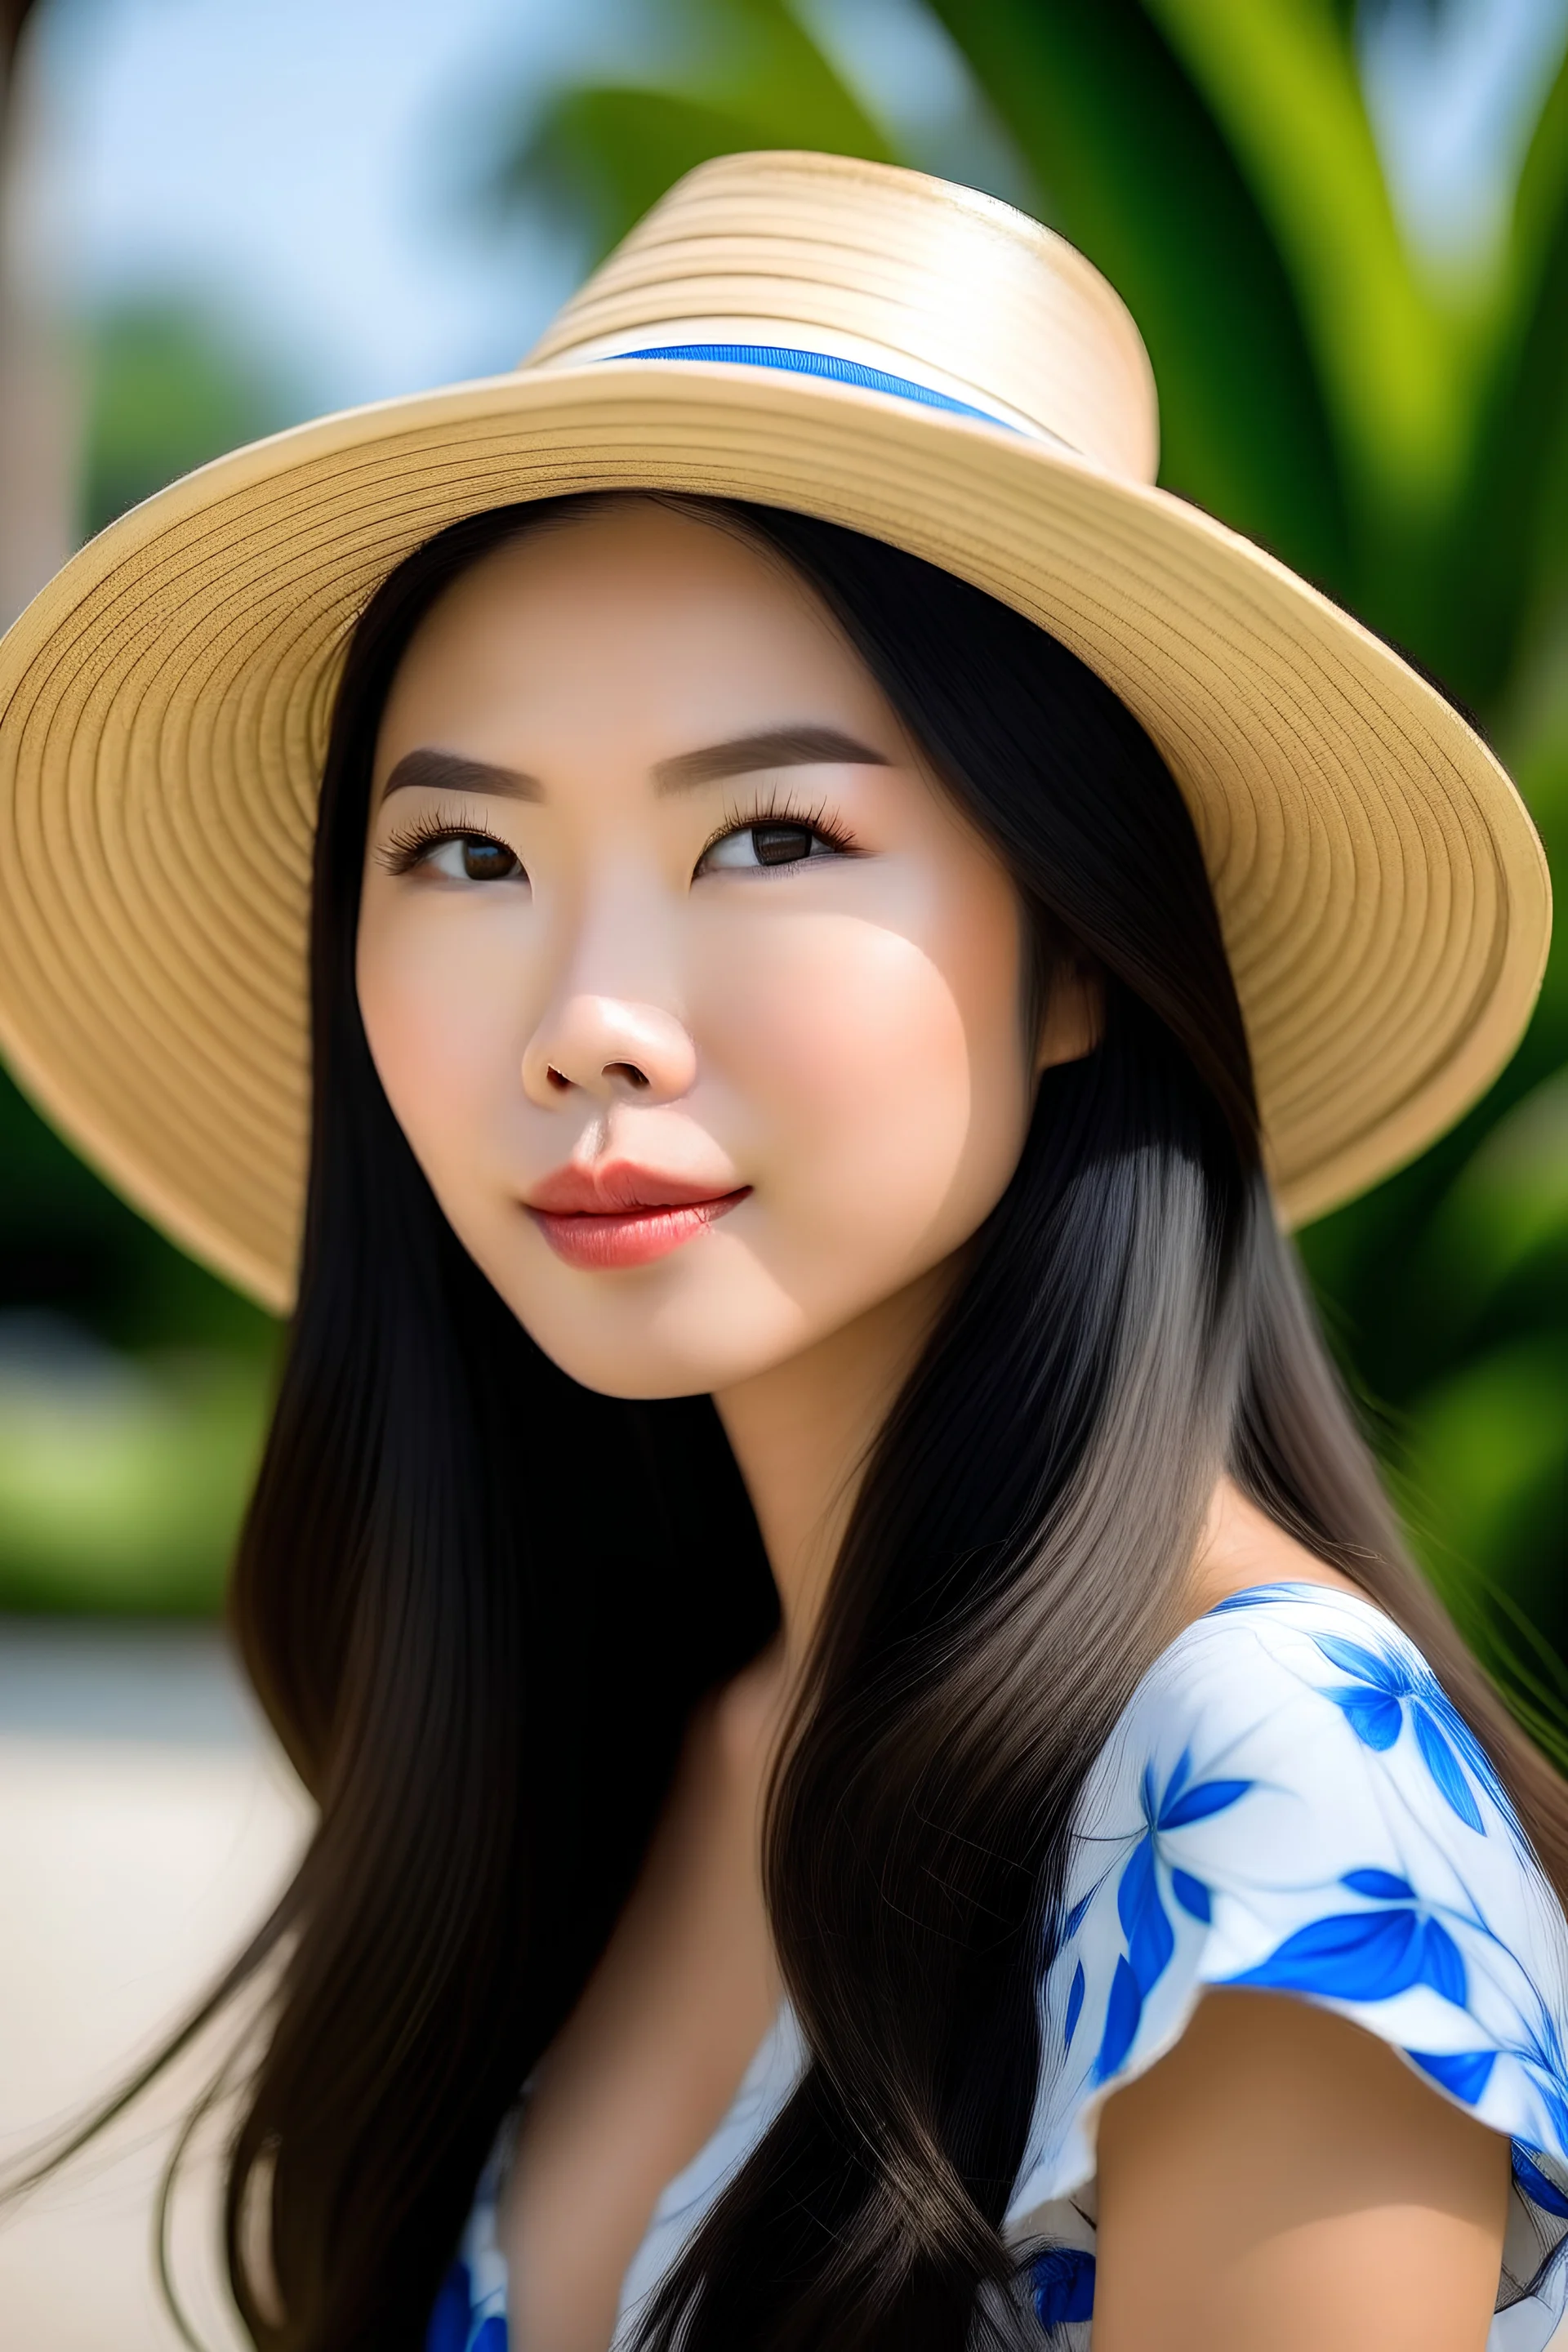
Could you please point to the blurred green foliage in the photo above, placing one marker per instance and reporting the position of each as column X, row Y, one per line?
column 132, row 1383
column 120, row 1479
column 1399, row 437
column 167, row 389
column 743, row 75
column 132, row 1394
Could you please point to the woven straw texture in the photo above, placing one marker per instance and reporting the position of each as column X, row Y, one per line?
column 163, row 704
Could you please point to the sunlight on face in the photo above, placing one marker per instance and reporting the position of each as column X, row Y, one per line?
column 698, row 1002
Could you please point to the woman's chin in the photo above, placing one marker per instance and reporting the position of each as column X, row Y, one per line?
column 672, row 1348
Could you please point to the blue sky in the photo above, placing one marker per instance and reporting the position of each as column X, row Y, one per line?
column 1451, row 93
column 300, row 165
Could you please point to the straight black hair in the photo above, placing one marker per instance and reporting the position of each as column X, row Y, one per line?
column 486, row 1702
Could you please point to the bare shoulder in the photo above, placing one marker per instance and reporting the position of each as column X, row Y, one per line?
column 1242, row 1547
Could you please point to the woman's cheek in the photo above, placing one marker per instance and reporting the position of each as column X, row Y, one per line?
column 850, row 1048
column 438, row 1006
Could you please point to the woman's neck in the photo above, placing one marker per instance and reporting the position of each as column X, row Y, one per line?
column 801, row 1434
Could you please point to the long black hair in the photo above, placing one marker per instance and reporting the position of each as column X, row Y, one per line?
column 486, row 1702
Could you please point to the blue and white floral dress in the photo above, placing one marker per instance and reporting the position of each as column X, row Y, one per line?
column 1290, row 1801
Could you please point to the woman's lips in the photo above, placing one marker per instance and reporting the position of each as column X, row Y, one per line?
column 631, row 1236
column 619, row 1215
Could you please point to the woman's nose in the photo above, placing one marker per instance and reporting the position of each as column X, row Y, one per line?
column 615, row 1050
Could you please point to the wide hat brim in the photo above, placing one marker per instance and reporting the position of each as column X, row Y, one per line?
column 164, row 705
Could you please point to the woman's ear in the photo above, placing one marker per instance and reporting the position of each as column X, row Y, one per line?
column 1074, row 1018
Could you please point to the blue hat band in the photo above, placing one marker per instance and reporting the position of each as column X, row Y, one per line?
column 820, row 364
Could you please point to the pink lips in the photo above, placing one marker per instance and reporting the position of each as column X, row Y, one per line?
column 621, row 1215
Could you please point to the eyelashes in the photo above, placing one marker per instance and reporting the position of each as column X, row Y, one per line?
column 408, row 846
column 783, row 809
column 411, row 844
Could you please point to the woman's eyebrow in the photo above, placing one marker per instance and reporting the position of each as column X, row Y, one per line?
column 773, row 747
column 450, row 771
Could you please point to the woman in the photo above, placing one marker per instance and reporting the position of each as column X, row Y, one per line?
column 884, row 1778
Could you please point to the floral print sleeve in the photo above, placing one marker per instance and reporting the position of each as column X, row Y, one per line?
column 1291, row 1803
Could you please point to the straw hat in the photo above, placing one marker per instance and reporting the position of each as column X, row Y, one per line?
column 854, row 342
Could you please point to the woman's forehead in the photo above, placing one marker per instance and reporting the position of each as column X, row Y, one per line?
column 632, row 617
column 625, row 560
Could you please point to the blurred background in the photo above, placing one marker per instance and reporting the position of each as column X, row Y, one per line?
column 1343, row 231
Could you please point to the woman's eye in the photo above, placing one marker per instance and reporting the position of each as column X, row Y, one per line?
column 475, row 857
column 772, row 844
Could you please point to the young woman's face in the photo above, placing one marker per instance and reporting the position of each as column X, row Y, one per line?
column 700, row 1004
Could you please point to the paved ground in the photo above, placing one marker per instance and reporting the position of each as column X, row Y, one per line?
column 145, row 1819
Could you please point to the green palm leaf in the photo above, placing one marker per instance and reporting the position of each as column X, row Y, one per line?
column 1507, row 553
column 1139, row 176
column 739, row 74
column 1280, row 81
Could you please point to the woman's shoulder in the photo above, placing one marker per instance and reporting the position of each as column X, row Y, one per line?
column 1327, row 1703
column 1291, row 1803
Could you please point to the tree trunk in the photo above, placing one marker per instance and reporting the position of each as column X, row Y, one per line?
column 39, row 399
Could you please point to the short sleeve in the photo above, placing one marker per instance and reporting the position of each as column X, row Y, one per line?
column 1291, row 1803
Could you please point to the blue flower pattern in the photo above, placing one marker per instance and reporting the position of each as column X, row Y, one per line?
column 469, row 2315
column 1061, row 2286
column 456, row 2325
column 1151, row 1938
column 1290, row 1802
column 1382, row 1689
